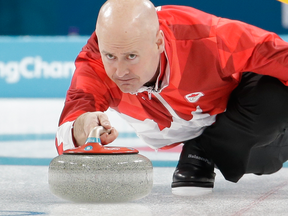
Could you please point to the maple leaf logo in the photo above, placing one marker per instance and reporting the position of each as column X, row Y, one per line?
column 193, row 97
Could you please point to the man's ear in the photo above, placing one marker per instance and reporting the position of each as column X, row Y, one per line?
column 160, row 41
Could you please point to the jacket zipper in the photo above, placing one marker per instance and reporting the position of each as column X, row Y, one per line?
column 166, row 105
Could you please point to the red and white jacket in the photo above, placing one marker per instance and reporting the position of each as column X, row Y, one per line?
column 202, row 63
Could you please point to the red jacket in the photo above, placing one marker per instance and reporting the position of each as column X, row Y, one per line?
column 203, row 61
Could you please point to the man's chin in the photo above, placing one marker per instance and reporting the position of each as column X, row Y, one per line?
column 128, row 90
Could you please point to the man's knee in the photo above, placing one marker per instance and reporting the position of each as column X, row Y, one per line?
column 272, row 96
column 261, row 107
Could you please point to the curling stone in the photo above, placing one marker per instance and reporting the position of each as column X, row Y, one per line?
column 98, row 174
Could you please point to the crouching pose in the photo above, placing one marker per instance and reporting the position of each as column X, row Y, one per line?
column 180, row 75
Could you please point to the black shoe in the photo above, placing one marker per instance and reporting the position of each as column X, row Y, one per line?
column 194, row 174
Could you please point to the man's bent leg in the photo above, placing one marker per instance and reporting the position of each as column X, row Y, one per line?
column 256, row 116
column 268, row 159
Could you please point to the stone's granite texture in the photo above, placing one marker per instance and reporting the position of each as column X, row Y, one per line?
column 100, row 178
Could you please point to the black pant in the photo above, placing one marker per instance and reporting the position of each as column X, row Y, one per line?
column 252, row 135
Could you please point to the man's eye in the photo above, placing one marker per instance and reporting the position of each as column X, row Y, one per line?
column 131, row 56
column 110, row 57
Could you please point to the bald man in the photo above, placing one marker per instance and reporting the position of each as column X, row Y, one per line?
column 180, row 75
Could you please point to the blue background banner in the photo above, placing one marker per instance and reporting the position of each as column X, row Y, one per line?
column 37, row 66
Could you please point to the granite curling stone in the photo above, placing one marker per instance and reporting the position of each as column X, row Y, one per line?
column 94, row 173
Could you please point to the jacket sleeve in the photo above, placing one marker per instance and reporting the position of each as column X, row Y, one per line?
column 90, row 91
column 243, row 47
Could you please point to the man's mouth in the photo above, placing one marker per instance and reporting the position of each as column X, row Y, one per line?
column 126, row 80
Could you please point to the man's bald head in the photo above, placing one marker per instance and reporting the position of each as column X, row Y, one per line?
column 130, row 43
column 124, row 17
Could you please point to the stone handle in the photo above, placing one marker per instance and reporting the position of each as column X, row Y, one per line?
column 95, row 133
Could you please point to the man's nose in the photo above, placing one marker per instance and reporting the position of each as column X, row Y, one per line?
column 121, row 69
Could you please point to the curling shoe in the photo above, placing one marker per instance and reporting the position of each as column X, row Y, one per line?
column 194, row 174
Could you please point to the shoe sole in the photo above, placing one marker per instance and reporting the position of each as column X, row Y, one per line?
column 191, row 191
